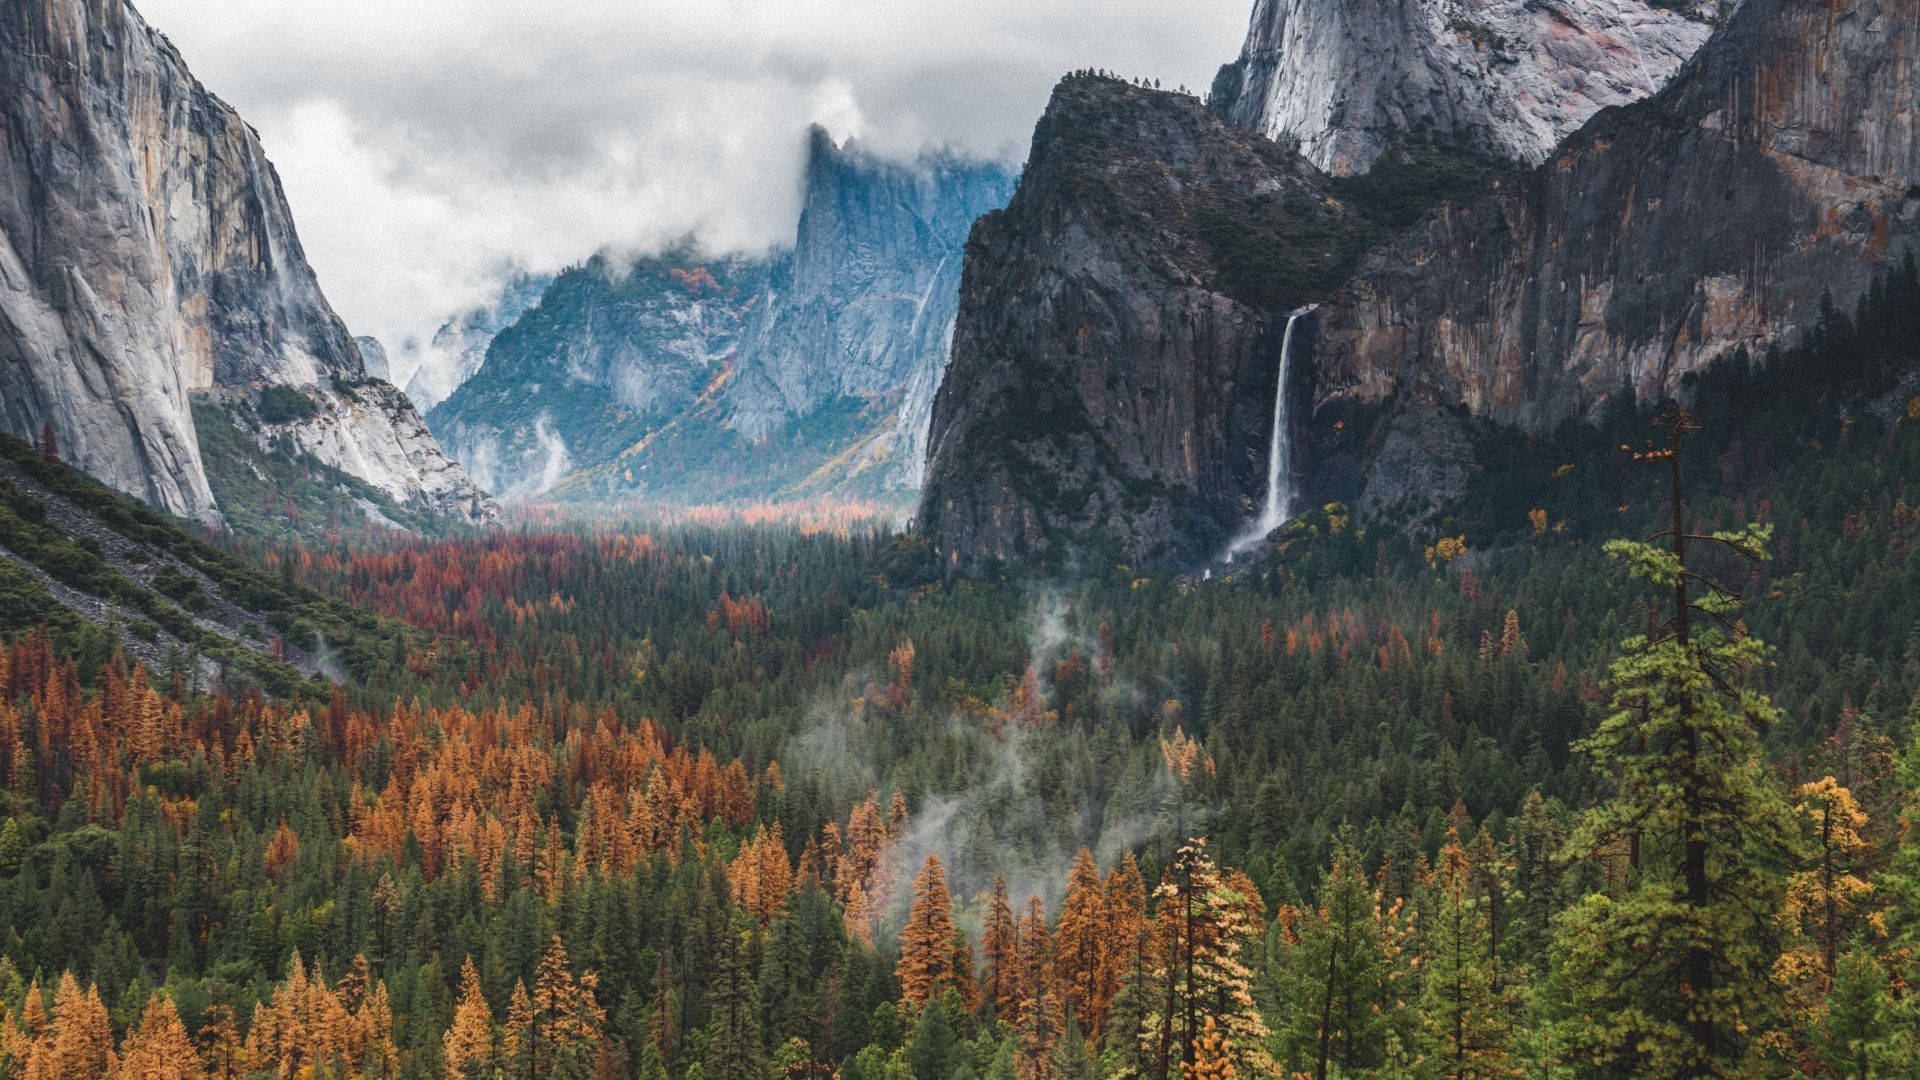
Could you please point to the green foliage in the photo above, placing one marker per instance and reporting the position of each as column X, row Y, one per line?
column 285, row 404
column 1671, row 973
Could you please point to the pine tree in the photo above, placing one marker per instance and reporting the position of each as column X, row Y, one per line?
column 82, row 1037
column 999, row 948
column 1203, row 920
column 1671, row 976
column 1463, row 1009
column 555, row 1029
column 734, row 1044
column 1077, row 941
column 1337, row 975
column 468, row 1043
column 158, row 1048
column 927, row 964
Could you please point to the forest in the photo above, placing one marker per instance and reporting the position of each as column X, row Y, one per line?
column 1613, row 770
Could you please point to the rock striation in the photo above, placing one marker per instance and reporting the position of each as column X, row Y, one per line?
column 1341, row 79
column 1782, row 166
column 148, row 259
column 1115, row 363
column 693, row 377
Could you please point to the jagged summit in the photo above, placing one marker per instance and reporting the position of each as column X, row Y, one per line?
column 691, row 376
column 1341, row 79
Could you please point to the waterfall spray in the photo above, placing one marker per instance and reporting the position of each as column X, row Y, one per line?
column 1279, row 501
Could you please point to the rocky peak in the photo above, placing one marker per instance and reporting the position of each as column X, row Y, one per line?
column 1781, row 166
column 148, row 258
column 1511, row 78
column 864, row 308
column 1116, row 358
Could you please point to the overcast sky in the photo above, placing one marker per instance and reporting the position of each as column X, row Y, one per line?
column 427, row 144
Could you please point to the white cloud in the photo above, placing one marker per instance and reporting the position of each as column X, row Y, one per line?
column 427, row 144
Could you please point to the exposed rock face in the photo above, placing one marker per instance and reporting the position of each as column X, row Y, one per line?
column 610, row 353
column 1341, row 78
column 148, row 257
column 865, row 306
column 1112, row 384
column 374, row 355
column 688, row 377
column 459, row 347
column 1782, row 165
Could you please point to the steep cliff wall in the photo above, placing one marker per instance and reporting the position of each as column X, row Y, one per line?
column 864, row 308
column 148, row 257
column 1781, row 166
column 1113, row 376
column 1342, row 78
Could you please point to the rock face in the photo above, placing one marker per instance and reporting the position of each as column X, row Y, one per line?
column 1112, row 385
column 686, row 377
column 1782, row 165
column 374, row 355
column 149, row 258
column 1341, row 79
column 458, row 348
column 865, row 306
column 611, row 353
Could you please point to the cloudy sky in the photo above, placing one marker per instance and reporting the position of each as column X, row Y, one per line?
column 428, row 144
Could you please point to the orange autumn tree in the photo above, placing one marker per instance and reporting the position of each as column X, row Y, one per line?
column 158, row 1047
column 468, row 1043
column 1078, row 942
column 929, row 961
column 999, row 946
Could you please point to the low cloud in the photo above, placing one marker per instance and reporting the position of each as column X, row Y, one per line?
column 428, row 144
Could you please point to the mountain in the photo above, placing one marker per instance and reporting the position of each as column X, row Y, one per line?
column 102, row 569
column 1122, row 324
column 1777, row 167
column 688, row 377
column 458, row 348
column 864, row 308
column 613, row 351
column 151, row 283
column 1780, row 169
column 374, row 355
column 1510, row 78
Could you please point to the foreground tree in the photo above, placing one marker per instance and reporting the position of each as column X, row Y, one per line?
column 1670, row 973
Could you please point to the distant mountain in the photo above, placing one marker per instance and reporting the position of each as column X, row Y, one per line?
column 1342, row 79
column 458, row 348
column 151, row 283
column 690, row 378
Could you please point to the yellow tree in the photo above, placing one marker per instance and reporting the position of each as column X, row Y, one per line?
column 469, row 1039
column 1203, row 920
column 82, row 1037
column 928, row 963
column 1825, row 898
column 557, row 1028
column 158, row 1048
column 1077, row 941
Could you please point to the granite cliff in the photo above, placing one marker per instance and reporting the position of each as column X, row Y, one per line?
column 1509, row 78
column 1111, row 390
column 149, row 264
column 1781, row 167
column 689, row 377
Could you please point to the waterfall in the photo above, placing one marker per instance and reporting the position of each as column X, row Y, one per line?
column 1279, row 501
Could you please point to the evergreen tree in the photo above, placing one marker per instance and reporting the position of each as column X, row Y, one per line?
column 929, row 962
column 1671, row 972
column 1463, row 1009
column 1337, row 975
